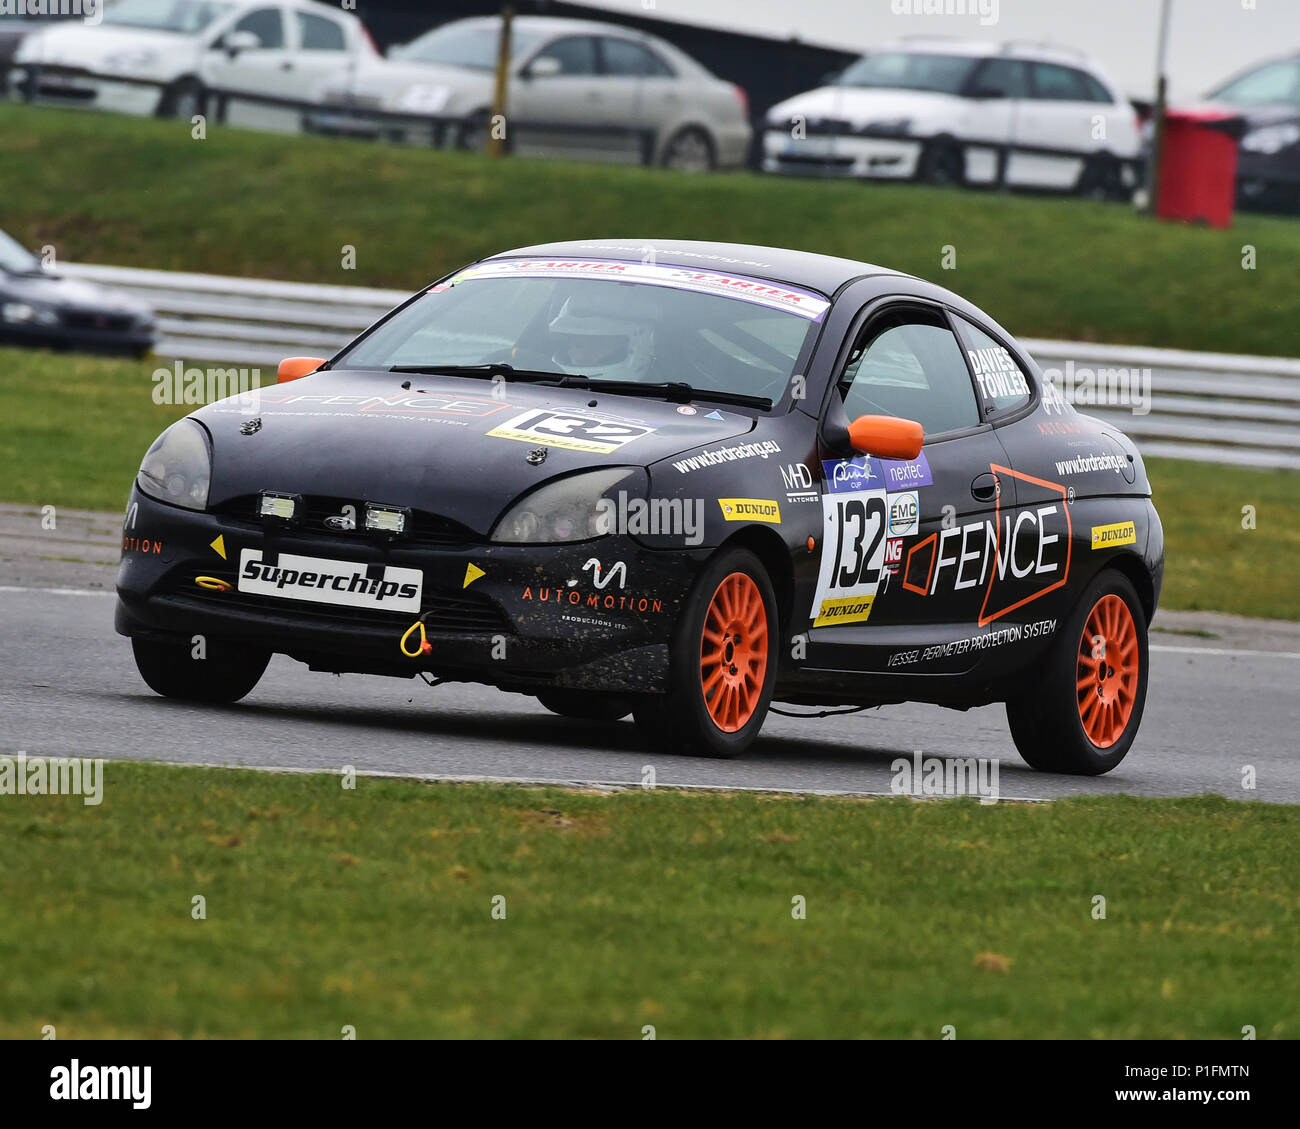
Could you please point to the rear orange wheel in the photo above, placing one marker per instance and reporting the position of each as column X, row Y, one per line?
column 1108, row 671
column 733, row 652
column 722, row 662
column 1080, row 705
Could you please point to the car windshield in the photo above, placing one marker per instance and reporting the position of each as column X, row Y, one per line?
column 605, row 320
column 14, row 257
column 910, row 70
column 459, row 45
column 1271, row 83
column 184, row 16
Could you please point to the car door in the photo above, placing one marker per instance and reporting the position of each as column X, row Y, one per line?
column 908, row 546
column 1056, row 120
column 269, row 68
column 996, row 92
column 561, row 98
column 644, row 91
column 321, row 50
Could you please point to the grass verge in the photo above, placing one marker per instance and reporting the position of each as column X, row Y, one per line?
column 327, row 907
column 76, row 428
column 272, row 206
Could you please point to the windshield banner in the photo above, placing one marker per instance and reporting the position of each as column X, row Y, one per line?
column 776, row 296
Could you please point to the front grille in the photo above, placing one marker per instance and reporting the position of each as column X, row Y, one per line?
column 443, row 612
column 99, row 323
column 423, row 529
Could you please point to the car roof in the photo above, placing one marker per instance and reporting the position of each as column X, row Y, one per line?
column 552, row 24
column 825, row 273
column 1011, row 49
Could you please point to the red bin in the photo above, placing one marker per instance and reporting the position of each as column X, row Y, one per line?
column 1198, row 169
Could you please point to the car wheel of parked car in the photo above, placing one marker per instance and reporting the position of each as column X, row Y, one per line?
column 1101, row 179
column 689, row 150
column 586, row 705
column 942, row 162
column 473, row 134
column 722, row 665
column 183, row 99
column 226, row 673
column 1082, row 710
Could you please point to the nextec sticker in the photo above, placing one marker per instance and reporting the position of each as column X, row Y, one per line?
column 750, row 509
column 868, row 472
column 1121, row 533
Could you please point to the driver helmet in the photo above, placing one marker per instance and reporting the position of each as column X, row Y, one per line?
column 606, row 332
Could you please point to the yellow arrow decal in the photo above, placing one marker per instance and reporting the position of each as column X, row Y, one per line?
column 472, row 573
column 220, row 545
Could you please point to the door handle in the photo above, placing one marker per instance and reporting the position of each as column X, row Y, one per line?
column 985, row 487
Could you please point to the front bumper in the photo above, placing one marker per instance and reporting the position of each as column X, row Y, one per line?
column 522, row 617
column 840, row 155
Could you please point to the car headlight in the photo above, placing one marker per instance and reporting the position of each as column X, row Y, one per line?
column 29, row 313
column 578, row 508
column 178, row 467
column 424, row 99
column 130, row 60
column 1271, row 139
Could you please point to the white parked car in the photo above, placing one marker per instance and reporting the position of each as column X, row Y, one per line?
column 283, row 48
column 962, row 113
column 598, row 77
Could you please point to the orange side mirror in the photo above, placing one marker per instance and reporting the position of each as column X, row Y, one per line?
column 887, row 437
column 293, row 367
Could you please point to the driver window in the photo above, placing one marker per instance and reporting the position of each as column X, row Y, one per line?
column 907, row 364
column 265, row 24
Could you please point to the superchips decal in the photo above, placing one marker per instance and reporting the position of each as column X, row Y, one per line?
column 853, row 554
column 569, row 431
column 761, row 292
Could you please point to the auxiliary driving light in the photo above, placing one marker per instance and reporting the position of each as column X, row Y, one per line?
column 282, row 506
column 379, row 519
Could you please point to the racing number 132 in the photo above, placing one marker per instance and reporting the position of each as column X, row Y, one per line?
column 863, row 513
column 850, row 571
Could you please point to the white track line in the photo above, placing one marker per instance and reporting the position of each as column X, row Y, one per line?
column 60, row 591
column 545, row 782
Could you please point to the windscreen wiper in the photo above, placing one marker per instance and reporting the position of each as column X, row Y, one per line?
column 676, row 391
column 496, row 368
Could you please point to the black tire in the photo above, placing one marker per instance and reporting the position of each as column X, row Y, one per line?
column 1047, row 722
column 690, row 150
column 226, row 674
column 183, row 99
column 681, row 721
column 1101, row 179
column 472, row 137
column 942, row 164
column 586, row 705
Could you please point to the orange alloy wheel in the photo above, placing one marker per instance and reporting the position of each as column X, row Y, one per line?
column 1108, row 671
column 733, row 652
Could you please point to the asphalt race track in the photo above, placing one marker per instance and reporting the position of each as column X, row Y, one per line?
column 68, row 687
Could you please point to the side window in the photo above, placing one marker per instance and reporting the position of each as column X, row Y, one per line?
column 1001, row 78
column 265, row 23
column 576, row 54
column 630, row 60
column 1001, row 380
column 1096, row 90
column 907, row 363
column 318, row 34
column 1058, row 84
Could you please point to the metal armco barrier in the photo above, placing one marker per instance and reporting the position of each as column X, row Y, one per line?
column 1213, row 407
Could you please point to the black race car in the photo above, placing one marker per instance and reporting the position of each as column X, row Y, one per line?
column 41, row 307
column 677, row 480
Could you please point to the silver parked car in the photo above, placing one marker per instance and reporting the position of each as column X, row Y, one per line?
column 604, row 88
